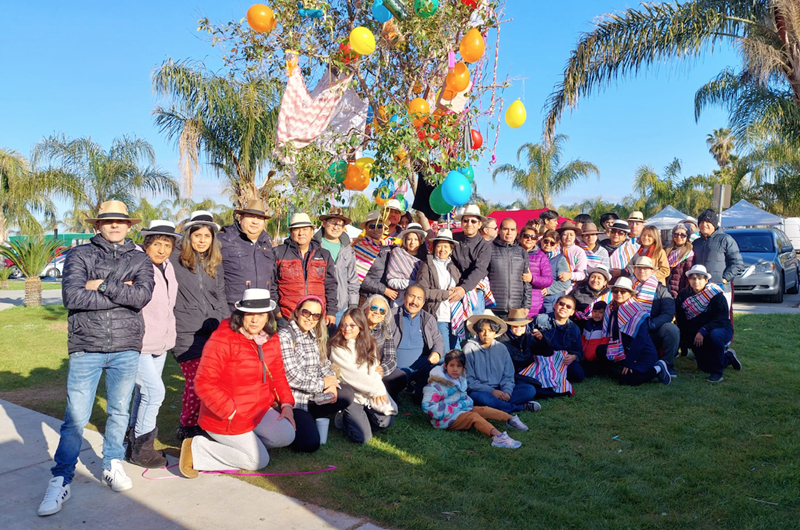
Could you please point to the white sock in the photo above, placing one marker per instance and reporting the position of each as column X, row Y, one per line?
column 658, row 368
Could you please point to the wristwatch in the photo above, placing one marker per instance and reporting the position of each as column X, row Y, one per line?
column 102, row 287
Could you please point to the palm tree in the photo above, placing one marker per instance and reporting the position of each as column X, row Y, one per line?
column 23, row 195
column 30, row 254
column 124, row 172
column 545, row 177
column 721, row 145
column 232, row 123
column 763, row 96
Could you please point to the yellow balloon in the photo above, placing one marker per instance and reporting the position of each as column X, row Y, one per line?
column 365, row 165
column 362, row 40
column 516, row 115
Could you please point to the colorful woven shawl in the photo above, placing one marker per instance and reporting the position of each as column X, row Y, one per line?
column 698, row 302
column 646, row 292
column 586, row 314
column 550, row 371
column 462, row 309
column 572, row 254
column 620, row 258
column 674, row 258
column 592, row 259
column 402, row 265
column 366, row 252
column 630, row 316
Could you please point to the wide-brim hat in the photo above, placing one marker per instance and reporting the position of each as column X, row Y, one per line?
column 619, row 224
column 255, row 301
column 625, row 283
column 636, row 216
column 254, row 207
column 518, row 317
column 643, row 262
column 591, row 229
column 471, row 210
column 486, row 315
column 394, row 204
column 374, row 215
column 444, row 235
column 201, row 218
column 161, row 227
column 335, row 213
column 599, row 269
column 414, row 228
column 569, row 225
column 113, row 210
column 698, row 270
column 300, row 220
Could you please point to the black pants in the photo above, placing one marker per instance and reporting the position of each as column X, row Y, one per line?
column 306, row 439
column 635, row 378
column 395, row 382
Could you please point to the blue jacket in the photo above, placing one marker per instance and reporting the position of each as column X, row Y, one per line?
column 246, row 261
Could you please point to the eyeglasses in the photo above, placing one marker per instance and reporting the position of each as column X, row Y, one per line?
column 305, row 313
column 336, row 224
column 470, row 221
column 377, row 309
column 564, row 305
column 548, row 242
column 528, row 236
column 348, row 326
column 373, row 226
column 680, row 235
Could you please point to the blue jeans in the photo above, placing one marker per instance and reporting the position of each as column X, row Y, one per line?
column 148, row 394
column 450, row 341
column 85, row 369
column 523, row 393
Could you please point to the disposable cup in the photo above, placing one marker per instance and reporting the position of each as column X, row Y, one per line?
column 322, row 427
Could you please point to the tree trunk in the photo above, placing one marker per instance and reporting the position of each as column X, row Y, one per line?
column 3, row 284
column 33, row 292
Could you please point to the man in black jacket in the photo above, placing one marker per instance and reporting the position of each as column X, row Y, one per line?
column 666, row 335
column 472, row 255
column 508, row 270
column 718, row 253
column 247, row 255
column 106, row 284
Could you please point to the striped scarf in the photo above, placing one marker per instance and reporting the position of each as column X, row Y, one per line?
column 674, row 256
column 646, row 292
column 698, row 302
column 550, row 371
column 366, row 252
column 553, row 253
column 630, row 316
column 592, row 259
column 620, row 258
column 402, row 265
column 462, row 309
column 586, row 314
column 572, row 254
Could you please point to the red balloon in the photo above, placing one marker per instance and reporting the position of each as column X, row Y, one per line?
column 477, row 139
column 348, row 54
column 472, row 4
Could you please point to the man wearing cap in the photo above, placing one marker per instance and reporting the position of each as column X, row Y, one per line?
column 718, row 253
column 303, row 267
column 247, row 255
column 655, row 297
column 508, row 269
column 489, row 229
column 472, row 255
column 333, row 238
column 106, row 284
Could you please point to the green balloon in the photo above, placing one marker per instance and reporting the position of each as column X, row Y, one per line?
column 437, row 202
column 426, row 8
column 337, row 170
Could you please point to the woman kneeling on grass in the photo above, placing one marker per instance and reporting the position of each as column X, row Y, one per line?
column 354, row 357
column 239, row 376
column 447, row 404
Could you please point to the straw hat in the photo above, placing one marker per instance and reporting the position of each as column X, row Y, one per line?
column 698, row 270
column 486, row 315
column 643, row 262
column 414, row 228
column 254, row 207
column 471, row 210
column 201, row 218
column 255, row 301
column 591, row 229
column 623, row 283
column 335, row 213
column 374, row 215
column 636, row 216
column 518, row 317
column 569, row 225
column 394, row 204
column 160, row 227
column 599, row 269
column 300, row 220
column 113, row 210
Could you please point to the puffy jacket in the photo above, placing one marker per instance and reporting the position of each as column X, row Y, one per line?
column 558, row 264
column 542, row 277
column 200, row 307
column 297, row 277
column 159, row 316
column 111, row 321
column 509, row 262
column 721, row 257
column 444, row 399
column 472, row 256
column 234, row 376
column 663, row 310
column 347, row 284
column 428, row 278
column 246, row 261
column 677, row 279
column 584, row 295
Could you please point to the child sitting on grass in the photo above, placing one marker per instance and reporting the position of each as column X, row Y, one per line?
column 593, row 337
column 446, row 402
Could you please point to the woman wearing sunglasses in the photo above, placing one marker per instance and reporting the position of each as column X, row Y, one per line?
column 354, row 356
column 316, row 389
column 541, row 275
column 558, row 266
column 376, row 309
column 438, row 275
column 680, row 256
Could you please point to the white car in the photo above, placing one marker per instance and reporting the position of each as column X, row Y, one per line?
column 54, row 269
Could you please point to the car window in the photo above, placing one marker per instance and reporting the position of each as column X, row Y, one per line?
column 783, row 240
column 754, row 241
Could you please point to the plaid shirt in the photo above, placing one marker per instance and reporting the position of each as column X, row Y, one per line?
column 303, row 364
column 386, row 349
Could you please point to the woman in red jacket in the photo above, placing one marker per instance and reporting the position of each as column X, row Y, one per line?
column 246, row 402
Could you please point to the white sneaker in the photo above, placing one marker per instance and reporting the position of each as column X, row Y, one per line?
column 57, row 494
column 115, row 478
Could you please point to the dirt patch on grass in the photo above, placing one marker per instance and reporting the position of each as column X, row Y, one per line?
column 58, row 326
column 30, row 397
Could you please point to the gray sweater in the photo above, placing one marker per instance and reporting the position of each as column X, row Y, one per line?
column 488, row 369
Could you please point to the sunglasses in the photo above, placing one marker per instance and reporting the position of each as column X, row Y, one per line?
column 376, row 309
column 615, row 231
column 305, row 313
column 618, row 291
column 680, row 235
column 548, row 242
column 470, row 221
column 373, row 226
column 528, row 236
column 564, row 305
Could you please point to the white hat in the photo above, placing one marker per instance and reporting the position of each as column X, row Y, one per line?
column 471, row 210
column 486, row 315
column 444, row 235
column 394, row 204
column 623, row 282
column 414, row 228
column 643, row 262
column 160, row 227
column 300, row 220
column 698, row 270
column 201, row 218
column 255, row 301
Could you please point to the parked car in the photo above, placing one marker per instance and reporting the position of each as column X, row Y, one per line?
column 55, row 268
column 771, row 263
column 15, row 272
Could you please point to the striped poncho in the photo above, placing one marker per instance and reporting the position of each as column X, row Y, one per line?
column 646, row 292
column 461, row 310
column 698, row 302
column 630, row 316
column 366, row 252
column 401, row 265
column 550, row 371
column 586, row 314
column 626, row 251
column 576, row 261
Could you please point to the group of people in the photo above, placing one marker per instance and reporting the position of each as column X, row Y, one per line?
column 474, row 324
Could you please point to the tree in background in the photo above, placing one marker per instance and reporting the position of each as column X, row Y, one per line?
column 31, row 254
column 721, row 145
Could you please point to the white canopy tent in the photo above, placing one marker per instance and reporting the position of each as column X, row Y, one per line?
column 667, row 218
column 745, row 214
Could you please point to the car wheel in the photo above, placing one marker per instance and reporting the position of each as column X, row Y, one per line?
column 777, row 298
column 796, row 287
column 15, row 273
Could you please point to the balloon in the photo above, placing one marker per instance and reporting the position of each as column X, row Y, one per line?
column 362, row 40
column 516, row 115
column 426, row 8
column 400, row 154
column 437, row 202
column 355, row 179
column 348, row 55
column 380, row 201
column 404, row 204
column 472, row 4
column 380, row 12
column 472, row 46
column 396, row 8
column 456, row 189
column 261, row 18
column 477, row 139
column 458, row 79
column 419, row 109
column 385, row 190
column 402, row 188
column 395, row 121
column 364, row 164
column 468, row 172
column 337, row 170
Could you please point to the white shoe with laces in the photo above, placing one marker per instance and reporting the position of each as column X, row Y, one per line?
column 516, row 423
column 57, row 494
column 115, row 478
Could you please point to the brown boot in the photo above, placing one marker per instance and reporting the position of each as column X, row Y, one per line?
column 185, row 463
column 143, row 453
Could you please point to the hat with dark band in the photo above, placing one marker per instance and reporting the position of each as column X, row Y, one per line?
column 201, row 218
column 254, row 207
column 255, row 301
column 518, row 317
column 113, row 210
column 160, row 227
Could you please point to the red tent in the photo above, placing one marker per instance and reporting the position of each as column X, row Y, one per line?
column 521, row 216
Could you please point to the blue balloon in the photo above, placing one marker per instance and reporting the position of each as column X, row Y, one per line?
column 456, row 189
column 395, row 121
column 380, row 12
column 468, row 172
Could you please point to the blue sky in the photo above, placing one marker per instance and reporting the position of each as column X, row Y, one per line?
column 83, row 69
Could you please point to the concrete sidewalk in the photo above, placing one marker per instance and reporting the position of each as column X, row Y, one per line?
column 28, row 440
column 16, row 297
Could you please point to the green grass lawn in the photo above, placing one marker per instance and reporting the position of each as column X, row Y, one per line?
column 690, row 455
column 19, row 285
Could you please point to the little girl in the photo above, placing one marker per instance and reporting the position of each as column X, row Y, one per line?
column 446, row 402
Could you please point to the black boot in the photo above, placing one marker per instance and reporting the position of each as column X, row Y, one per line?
column 144, row 454
column 128, row 443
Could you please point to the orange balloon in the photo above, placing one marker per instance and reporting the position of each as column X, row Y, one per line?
column 417, row 88
column 419, row 109
column 352, row 173
column 400, row 154
column 472, row 46
column 361, row 183
column 458, row 79
column 261, row 18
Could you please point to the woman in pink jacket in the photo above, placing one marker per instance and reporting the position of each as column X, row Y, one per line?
column 541, row 274
column 159, row 337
